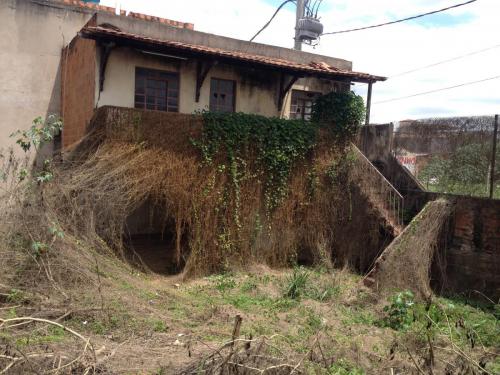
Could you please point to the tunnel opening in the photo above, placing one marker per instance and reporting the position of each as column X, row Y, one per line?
column 152, row 241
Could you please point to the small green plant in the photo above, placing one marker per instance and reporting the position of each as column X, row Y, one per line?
column 39, row 133
column 248, row 285
column 158, row 325
column 343, row 367
column 16, row 296
column 399, row 313
column 296, row 283
column 494, row 366
column 39, row 248
column 223, row 282
column 322, row 293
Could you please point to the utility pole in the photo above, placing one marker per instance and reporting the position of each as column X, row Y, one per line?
column 493, row 157
column 301, row 5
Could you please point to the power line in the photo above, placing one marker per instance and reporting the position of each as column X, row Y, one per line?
column 271, row 19
column 400, row 20
column 438, row 90
column 446, row 61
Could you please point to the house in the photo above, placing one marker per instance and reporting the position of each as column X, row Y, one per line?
column 34, row 32
column 134, row 60
column 124, row 62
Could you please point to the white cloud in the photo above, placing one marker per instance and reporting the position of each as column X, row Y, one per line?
column 384, row 51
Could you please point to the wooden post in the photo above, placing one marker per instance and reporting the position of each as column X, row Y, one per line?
column 236, row 328
column 493, row 157
column 368, row 103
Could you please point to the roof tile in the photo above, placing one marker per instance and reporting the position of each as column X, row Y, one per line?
column 322, row 68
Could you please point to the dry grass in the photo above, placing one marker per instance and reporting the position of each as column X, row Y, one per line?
column 143, row 323
column 406, row 263
column 120, row 167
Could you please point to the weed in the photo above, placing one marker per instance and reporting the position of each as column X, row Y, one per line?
column 223, row 282
column 97, row 327
column 343, row 367
column 248, row 285
column 16, row 296
column 399, row 313
column 54, row 334
column 356, row 316
column 125, row 285
column 296, row 283
column 149, row 296
column 158, row 325
column 11, row 313
column 323, row 294
column 494, row 366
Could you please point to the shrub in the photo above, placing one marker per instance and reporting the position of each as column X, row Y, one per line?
column 341, row 112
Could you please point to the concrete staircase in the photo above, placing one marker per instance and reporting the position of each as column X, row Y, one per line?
column 379, row 191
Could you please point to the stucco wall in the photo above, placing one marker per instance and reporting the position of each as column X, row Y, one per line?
column 256, row 90
column 32, row 37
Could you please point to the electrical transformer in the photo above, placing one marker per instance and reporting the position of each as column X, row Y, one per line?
column 309, row 29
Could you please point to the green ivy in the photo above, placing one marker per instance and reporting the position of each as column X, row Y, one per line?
column 277, row 144
column 341, row 112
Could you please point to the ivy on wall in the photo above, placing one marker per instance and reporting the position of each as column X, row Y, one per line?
column 244, row 146
column 275, row 144
column 341, row 112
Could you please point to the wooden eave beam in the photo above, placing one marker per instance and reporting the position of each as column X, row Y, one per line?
column 106, row 49
column 224, row 59
column 202, row 69
column 285, row 86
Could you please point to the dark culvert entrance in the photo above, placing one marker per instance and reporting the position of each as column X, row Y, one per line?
column 150, row 241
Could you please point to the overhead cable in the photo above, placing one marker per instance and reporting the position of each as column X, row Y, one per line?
column 400, row 20
column 438, row 90
column 445, row 61
column 271, row 19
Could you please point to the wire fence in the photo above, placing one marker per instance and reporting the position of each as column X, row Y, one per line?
column 451, row 154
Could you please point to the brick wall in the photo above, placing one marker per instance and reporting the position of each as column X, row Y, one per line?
column 472, row 258
column 469, row 257
column 101, row 8
column 78, row 82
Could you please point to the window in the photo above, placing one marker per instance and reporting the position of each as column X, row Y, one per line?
column 222, row 95
column 156, row 89
column 302, row 102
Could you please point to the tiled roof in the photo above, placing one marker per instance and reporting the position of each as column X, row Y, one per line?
column 102, row 8
column 313, row 68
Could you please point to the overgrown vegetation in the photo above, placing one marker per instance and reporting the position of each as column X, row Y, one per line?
column 465, row 171
column 340, row 112
column 228, row 187
column 273, row 145
column 67, row 304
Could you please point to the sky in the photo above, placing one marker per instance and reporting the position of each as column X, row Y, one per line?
column 386, row 51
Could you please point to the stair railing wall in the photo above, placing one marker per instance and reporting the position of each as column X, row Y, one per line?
column 379, row 190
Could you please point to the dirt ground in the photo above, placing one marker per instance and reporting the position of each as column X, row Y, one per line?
column 141, row 323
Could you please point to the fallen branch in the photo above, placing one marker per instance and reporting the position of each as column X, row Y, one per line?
column 16, row 322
